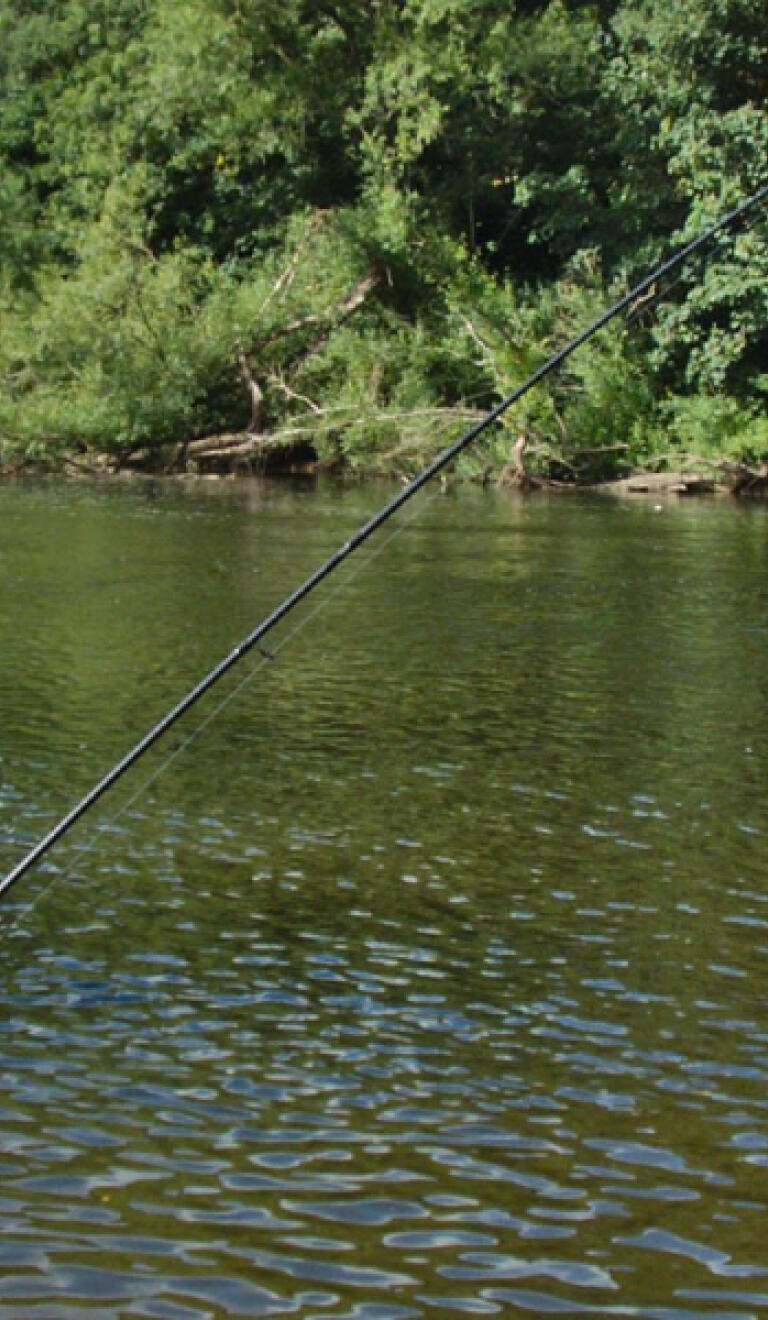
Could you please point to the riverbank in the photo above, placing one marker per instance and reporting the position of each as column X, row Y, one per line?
column 236, row 455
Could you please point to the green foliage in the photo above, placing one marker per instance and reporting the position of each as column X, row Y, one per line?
column 712, row 426
column 694, row 76
column 395, row 212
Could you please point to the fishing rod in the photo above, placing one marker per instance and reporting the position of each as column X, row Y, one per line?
column 361, row 535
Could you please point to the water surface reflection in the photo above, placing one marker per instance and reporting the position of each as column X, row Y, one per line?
column 430, row 978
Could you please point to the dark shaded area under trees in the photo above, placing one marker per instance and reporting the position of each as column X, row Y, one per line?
column 232, row 230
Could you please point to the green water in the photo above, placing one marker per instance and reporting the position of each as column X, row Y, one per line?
column 430, row 976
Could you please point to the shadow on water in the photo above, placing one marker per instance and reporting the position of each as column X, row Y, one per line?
column 430, row 978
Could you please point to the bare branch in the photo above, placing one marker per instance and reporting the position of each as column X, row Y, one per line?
column 354, row 300
column 286, row 277
column 255, row 391
column 279, row 384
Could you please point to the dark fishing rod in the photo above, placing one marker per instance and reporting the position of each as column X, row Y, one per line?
column 361, row 535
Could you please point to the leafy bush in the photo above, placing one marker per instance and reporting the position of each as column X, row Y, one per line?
column 391, row 213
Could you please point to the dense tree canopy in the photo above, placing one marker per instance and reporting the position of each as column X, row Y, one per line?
column 354, row 225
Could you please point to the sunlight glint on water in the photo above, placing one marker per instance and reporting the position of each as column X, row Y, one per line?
column 431, row 978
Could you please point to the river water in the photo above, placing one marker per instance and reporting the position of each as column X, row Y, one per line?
column 429, row 978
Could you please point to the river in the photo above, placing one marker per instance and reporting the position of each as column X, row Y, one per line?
column 423, row 970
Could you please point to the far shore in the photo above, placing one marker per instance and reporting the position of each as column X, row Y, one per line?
column 711, row 479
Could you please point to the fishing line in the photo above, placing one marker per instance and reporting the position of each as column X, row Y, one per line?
column 363, row 533
column 265, row 660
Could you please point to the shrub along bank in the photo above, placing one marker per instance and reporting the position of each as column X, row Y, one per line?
column 230, row 232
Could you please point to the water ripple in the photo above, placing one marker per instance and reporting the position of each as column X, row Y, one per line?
column 432, row 979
